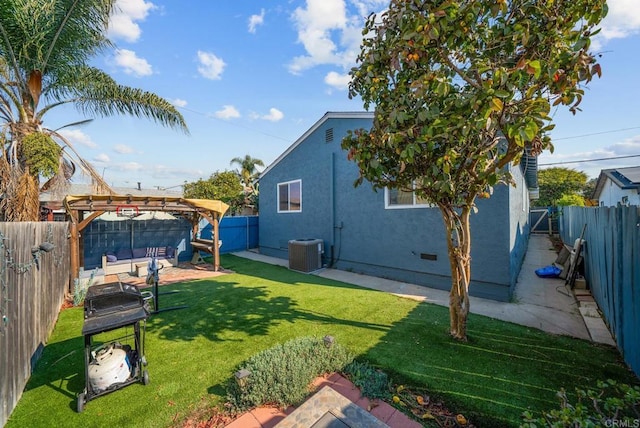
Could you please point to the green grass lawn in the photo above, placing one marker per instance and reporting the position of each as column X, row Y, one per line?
column 502, row 370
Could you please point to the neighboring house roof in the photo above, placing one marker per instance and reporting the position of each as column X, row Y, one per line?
column 626, row 178
column 86, row 189
column 328, row 115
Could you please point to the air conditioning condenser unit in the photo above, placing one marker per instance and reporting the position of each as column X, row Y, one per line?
column 305, row 255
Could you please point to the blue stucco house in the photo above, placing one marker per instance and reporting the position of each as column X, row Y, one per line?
column 308, row 193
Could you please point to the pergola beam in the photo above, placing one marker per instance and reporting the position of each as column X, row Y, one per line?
column 95, row 205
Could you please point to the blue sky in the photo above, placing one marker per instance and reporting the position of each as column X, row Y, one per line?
column 251, row 77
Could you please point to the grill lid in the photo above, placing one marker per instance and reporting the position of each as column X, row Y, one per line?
column 112, row 305
column 112, row 297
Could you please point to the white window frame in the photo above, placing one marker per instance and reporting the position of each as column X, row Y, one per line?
column 288, row 184
column 388, row 206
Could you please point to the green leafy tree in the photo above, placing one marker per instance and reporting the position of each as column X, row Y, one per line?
column 589, row 188
column 460, row 89
column 572, row 199
column 556, row 182
column 248, row 171
column 224, row 186
column 248, row 174
column 45, row 52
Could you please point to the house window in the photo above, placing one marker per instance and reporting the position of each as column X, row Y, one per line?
column 398, row 198
column 290, row 197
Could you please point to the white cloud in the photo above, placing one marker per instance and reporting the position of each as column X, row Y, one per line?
column 274, row 115
column 337, row 80
column 255, row 20
column 179, row 102
column 77, row 137
column 227, row 112
column 102, row 158
column 180, row 175
column 211, row 67
column 330, row 33
column 129, row 166
column 365, row 7
column 623, row 20
column 594, row 161
column 123, row 149
column 131, row 64
column 630, row 146
column 123, row 23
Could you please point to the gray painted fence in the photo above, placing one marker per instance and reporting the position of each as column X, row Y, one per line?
column 103, row 236
column 612, row 268
column 32, row 287
column 237, row 234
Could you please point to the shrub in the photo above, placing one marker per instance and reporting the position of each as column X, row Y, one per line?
column 373, row 383
column 611, row 404
column 282, row 375
column 571, row 200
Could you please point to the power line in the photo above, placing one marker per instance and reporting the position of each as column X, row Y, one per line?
column 589, row 160
column 597, row 133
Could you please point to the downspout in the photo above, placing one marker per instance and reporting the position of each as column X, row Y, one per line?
column 333, row 209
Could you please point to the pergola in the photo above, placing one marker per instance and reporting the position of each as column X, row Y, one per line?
column 82, row 209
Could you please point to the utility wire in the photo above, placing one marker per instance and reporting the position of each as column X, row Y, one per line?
column 589, row 160
column 597, row 133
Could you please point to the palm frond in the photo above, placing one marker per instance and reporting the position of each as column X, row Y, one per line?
column 59, row 183
column 78, row 123
column 101, row 186
column 95, row 93
column 81, row 27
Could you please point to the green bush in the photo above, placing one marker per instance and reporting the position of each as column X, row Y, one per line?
column 281, row 375
column 570, row 200
column 611, row 404
column 372, row 382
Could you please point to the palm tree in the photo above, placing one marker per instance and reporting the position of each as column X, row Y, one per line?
column 45, row 48
column 248, row 172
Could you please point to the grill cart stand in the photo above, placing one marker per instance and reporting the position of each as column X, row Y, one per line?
column 153, row 277
column 112, row 366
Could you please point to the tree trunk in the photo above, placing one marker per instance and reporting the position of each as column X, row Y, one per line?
column 459, row 245
column 22, row 197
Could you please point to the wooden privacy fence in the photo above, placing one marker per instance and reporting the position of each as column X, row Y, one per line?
column 612, row 268
column 34, row 275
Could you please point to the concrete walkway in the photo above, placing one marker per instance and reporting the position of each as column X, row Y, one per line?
column 543, row 303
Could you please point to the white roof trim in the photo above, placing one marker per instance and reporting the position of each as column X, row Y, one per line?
column 328, row 115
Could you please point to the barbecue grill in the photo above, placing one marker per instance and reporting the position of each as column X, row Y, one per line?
column 112, row 365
